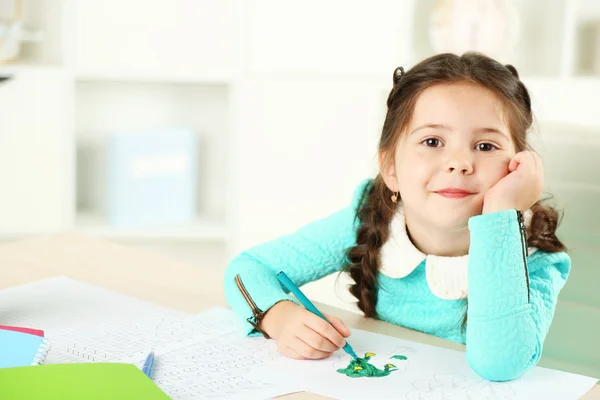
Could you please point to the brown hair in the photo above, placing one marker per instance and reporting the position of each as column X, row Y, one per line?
column 376, row 209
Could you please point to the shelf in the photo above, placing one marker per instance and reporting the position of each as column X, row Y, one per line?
column 222, row 77
column 21, row 67
column 533, row 45
column 43, row 23
column 201, row 229
column 104, row 109
column 183, row 37
column 565, row 101
column 586, row 38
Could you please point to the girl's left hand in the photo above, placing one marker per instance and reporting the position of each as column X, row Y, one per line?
column 521, row 188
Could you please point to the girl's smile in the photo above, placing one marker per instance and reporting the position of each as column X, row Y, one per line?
column 454, row 193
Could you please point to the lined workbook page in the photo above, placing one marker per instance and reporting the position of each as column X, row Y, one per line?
column 88, row 323
column 85, row 323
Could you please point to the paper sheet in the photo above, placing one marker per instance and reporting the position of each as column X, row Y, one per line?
column 428, row 373
column 221, row 367
column 88, row 323
column 206, row 356
column 223, row 364
column 85, row 323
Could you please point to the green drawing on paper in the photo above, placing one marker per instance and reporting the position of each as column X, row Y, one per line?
column 399, row 357
column 360, row 368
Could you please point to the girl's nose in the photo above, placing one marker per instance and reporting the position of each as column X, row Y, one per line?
column 460, row 162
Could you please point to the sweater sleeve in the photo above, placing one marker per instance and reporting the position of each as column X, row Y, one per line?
column 312, row 252
column 506, row 322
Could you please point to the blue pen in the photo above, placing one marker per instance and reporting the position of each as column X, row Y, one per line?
column 289, row 285
column 148, row 365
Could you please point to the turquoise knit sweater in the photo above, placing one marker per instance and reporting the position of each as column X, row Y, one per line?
column 506, row 324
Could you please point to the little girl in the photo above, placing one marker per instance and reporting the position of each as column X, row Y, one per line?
column 449, row 239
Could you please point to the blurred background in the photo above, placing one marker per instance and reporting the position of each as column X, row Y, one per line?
column 198, row 128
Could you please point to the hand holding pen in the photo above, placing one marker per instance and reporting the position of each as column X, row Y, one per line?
column 303, row 332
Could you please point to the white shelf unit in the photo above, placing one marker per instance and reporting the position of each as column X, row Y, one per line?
column 103, row 107
column 182, row 80
column 95, row 74
column 196, row 230
column 556, row 38
column 35, row 158
column 47, row 18
column 238, row 72
column 540, row 47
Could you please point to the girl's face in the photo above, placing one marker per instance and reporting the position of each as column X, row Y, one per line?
column 455, row 148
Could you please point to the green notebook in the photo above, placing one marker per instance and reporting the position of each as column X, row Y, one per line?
column 78, row 381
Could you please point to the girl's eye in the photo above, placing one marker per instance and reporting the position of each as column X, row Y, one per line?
column 485, row 147
column 432, row 142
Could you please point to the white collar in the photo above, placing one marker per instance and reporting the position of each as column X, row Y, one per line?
column 446, row 276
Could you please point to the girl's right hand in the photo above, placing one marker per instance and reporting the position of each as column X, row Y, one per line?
column 301, row 334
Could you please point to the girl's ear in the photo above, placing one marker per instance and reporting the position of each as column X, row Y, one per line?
column 387, row 169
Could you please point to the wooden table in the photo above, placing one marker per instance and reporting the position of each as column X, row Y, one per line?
column 152, row 277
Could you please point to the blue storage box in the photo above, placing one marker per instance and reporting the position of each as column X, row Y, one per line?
column 152, row 177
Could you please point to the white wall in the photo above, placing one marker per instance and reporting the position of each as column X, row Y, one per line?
column 314, row 83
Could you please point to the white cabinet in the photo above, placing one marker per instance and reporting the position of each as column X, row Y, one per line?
column 35, row 153
column 174, row 39
column 106, row 67
column 104, row 107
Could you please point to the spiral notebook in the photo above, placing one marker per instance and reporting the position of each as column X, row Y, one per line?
column 20, row 349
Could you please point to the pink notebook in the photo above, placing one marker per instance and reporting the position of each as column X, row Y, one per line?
column 36, row 332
